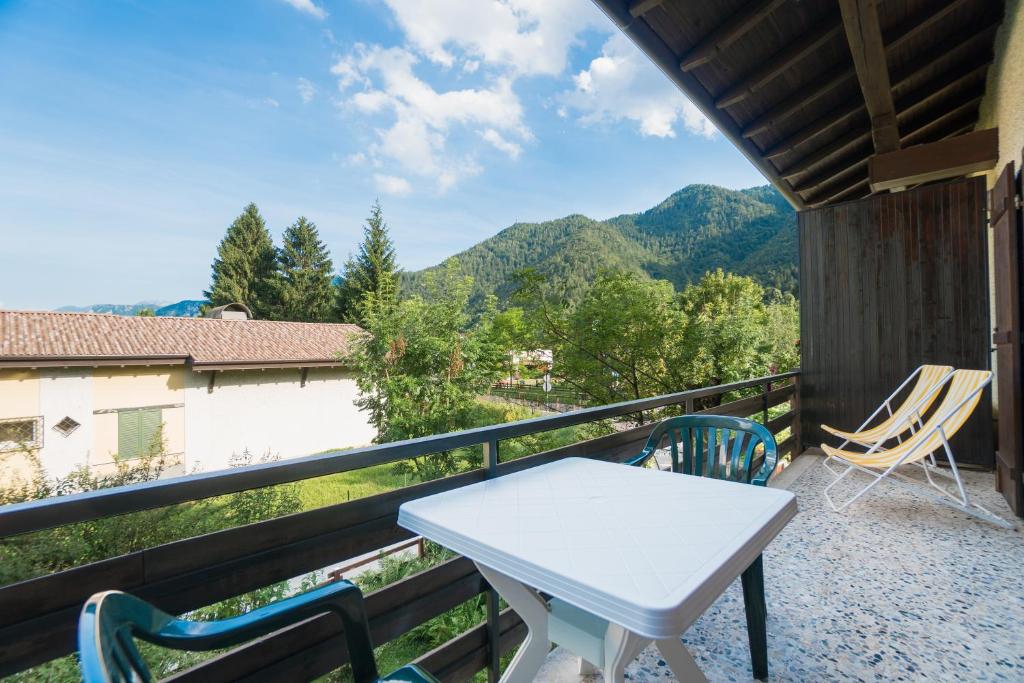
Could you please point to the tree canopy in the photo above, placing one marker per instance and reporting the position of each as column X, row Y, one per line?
column 374, row 270
column 245, row 269
column 306, row 270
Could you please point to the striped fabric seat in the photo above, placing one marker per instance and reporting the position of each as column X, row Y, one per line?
column 928, row 439
column 964, row 392
column 929, row 377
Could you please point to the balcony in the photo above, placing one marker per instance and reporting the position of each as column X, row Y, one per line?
column 898, row 586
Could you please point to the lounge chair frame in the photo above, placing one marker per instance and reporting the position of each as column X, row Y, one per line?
column 957, row 500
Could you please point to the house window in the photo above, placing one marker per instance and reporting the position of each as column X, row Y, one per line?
column 66, row 426
column 21, row 433
column 139, row 433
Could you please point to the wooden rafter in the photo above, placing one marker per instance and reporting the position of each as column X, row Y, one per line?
column 864, row 35
column 949, row 158
column 965, row 49
column 830, row 28
column 954, row 120
column 840, row 76
column 638, row 8
column 729, row 32
column 927, row 95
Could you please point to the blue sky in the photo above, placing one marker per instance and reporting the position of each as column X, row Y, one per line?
column 133, row 132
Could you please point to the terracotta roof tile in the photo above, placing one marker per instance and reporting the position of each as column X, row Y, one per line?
column 46, row 335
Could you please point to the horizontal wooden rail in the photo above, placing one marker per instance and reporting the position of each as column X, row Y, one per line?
column 38, row 616
column 43, row 514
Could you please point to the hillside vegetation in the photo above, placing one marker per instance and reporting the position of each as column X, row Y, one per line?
column 695, row 230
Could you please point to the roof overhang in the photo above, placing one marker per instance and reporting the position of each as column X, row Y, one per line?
column 32, row 362
column 810, row 91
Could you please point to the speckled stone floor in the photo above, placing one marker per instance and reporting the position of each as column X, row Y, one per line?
column 898, row 588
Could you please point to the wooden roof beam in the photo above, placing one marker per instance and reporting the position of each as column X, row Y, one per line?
column 727, row 33
column 950, row 158
column 864, row 34
column 935, row 90
column 839, row 76
column 952, row 122
column 638, row 8
column 830, row 28
column 854, row 106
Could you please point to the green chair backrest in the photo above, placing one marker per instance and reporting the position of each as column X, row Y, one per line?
column 715, row 446
column 110, row 622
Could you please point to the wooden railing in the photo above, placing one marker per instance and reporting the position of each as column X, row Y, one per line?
column 38, row 616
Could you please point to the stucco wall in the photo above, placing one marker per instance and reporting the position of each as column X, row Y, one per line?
column 137, row 387
column 19, row 397
column 65, row 393
column 269, row 411
column 1003, row 105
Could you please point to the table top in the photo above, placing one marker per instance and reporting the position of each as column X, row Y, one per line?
column 645, row 549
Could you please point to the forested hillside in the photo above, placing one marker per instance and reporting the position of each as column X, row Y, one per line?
column 697, row 229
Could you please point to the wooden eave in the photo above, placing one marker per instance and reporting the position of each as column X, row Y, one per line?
column 780, row 82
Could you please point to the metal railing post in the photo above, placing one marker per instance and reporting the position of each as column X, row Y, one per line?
column 767, row 390
column 689, row 406
column 796, row 428
column 493, row 607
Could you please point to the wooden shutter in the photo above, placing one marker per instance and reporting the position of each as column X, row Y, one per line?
column 127, row 434
column 1006, row 231
column 136, row 432
column 149, row 428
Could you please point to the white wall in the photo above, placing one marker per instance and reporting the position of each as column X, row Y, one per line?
column 269, row 410
column 66, row 393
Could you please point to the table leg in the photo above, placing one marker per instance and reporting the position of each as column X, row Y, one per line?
column 680, row 661
column 620, row 648
column 757, row 617
column 534, row 612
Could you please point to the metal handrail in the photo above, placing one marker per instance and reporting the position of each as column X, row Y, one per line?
column 37, row 515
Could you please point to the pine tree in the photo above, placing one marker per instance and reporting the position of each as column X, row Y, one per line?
column 372, row 274
column 245, row 269
column 306, row 270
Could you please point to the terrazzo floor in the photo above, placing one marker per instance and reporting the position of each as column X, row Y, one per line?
column 898, row 588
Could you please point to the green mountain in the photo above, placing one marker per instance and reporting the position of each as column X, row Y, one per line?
column 697, row 229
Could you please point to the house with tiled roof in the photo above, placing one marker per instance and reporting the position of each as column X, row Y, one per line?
column 86, row 389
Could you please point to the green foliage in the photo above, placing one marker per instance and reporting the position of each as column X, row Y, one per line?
column 307, row 293
column 145, row 313
column 421, row 367
column 749, row 232
column 373, row 271
column 630, row 337
column 245, row 269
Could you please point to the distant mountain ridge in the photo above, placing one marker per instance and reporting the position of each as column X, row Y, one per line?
column 699, row 228
column 186, row 308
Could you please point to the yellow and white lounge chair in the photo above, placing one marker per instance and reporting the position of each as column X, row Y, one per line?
column 963, row 395
column 899, row 420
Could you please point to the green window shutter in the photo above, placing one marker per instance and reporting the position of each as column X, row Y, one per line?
column 128, row 434
column 137, row 430
column 149, row 431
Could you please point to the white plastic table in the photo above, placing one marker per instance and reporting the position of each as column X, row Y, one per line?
column 647, row 551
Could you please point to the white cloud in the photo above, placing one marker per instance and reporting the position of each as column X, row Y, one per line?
column 307, row 91
column 271, row 102
column 390, row 184
column 528, row 37
column 498, row 140
column 308, row 7
column 424, row 119
column 622, row 84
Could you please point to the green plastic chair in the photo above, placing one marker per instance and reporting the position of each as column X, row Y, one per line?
column 724, row 447
column 110, row 621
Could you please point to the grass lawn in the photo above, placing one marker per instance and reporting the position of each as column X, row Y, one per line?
column 339, row 488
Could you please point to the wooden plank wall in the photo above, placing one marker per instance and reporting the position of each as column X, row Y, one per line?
column 888, row 283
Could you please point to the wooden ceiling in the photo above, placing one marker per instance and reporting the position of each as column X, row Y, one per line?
column 792, row 82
